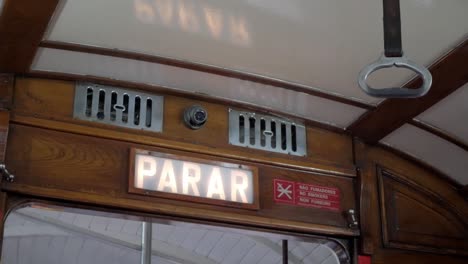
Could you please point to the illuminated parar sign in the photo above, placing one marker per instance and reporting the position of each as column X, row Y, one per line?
column 228, row 182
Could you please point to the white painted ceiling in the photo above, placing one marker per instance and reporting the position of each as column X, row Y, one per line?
column 319, row 44
column 39, row 236
column 443, row 155
column 450, row 114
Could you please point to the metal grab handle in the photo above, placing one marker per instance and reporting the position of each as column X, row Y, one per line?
column 6, row 175
column 395, row 92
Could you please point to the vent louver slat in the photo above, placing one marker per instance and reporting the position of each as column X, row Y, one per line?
column 119, row 107
column 268, row 133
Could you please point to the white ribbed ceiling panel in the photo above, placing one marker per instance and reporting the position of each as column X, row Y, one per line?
column 295, row 103
column 450, row 114
column 319, row 43
column 433, row 150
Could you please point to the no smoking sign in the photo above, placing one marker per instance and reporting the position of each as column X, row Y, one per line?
column 306, row 195
column 284, row 191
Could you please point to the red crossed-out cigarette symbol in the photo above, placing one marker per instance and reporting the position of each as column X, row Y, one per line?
column 284, row 191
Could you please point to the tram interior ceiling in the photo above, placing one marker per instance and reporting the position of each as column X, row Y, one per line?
column 234, row 132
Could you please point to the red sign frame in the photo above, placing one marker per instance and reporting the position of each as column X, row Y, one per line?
column 306, row 195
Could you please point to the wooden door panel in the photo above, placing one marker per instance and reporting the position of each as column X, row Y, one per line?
column 418, row 219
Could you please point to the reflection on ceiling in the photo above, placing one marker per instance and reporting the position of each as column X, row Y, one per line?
column 189, row 17
column 319, row 43
column 43, row 236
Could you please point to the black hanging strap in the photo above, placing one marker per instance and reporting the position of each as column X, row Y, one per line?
column 392, row 28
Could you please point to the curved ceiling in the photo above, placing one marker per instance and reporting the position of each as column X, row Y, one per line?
column 299, row 57
column 321, row 43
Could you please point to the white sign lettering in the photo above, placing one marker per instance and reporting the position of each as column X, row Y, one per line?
column 227, row 183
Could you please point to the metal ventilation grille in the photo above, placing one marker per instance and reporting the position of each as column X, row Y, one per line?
column 266, row 133
column 119, row 107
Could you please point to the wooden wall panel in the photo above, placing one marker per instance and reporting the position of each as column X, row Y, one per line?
column 415, row 218
column 429, row 194
column 6, row 90
column 392, row 256
column 38, row 101
column 93, row 170
column 4, row 126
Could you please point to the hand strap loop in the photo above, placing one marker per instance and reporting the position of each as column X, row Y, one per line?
column 393, row 57
column 395, row 92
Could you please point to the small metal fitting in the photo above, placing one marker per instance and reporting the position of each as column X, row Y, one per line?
column 7, row 176
column 352, row 221
column 195, row 117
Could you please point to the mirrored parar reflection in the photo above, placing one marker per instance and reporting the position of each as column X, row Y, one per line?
column 195, row 17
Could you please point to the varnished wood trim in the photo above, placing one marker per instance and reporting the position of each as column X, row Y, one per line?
column 204, row 68
column 167, row 154
column 449, row 73
column 383, row 207
column 405, row 180
column 180, row 211
column 169, row 144
column 368, row 158
column 431, row 197
column 440, row 133
column 7, row 82
column 422, row 164
column 180, row 93
column 363, row 205
column 4, row 127
column 22, row 26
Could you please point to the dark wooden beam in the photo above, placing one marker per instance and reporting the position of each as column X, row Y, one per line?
column 449, row 73
column 203, row 68
column 22, row 26
column 464, row 192
column 440, row 133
